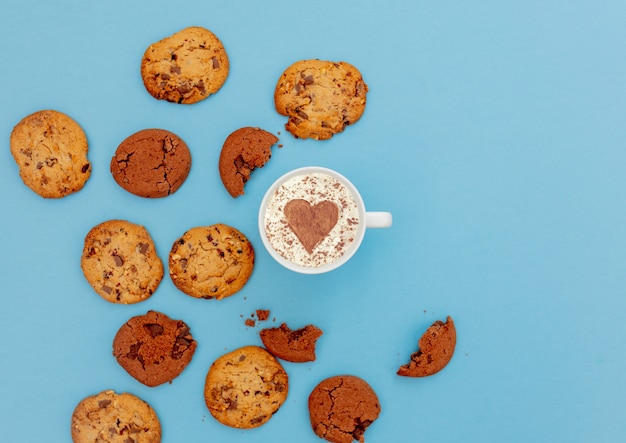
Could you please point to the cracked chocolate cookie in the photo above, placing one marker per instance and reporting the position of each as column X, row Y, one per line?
column 50, row 149
column 243, row 151
column 211, row 261
column 297, row 346
column 115, row 418
column 151, row 163
column 153, row 348
column 185, row 67
column 435, row 350
column 320, row 97
column 120, row 262
column 341, row 408
column 245, row 387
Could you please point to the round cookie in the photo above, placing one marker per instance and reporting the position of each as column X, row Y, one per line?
column 341, row 408
column 297, row 346
column 153, row 348
column 211, row 261
column 320, row 98
column 120, row 262
column 245, row 387
column 50, row 149
column 435, row 350
column 115, row 418
column 245, row 149
column 151, row 163
column 185, row 67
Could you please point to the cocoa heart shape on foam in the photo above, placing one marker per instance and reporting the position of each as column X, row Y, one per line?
column 311, row 223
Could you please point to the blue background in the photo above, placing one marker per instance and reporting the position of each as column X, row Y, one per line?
column 495, row 134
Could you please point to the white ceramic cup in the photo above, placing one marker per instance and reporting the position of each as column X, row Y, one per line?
column 342, row 241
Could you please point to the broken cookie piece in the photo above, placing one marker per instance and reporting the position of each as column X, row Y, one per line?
column 341, row 408
column 297, row 346
column 436, row 348
column 243, row 151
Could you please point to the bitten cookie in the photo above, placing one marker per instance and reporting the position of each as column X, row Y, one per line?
column 154, row 348
column 185, row 67
column 245, row 387
column 211, row 261
column 341, row 408
column 151, row 163
column 296, row 346
column 50, row 149
column 120, row 262
column 435, row 351
column 320, row 97
column 245, row 149
column 115, row 418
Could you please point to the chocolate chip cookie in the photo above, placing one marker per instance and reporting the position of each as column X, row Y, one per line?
column 296, row 346
column 120, row 262
column 115, row 418
column 151, row 163
column 211, row 261
column 243, row 151
column 50, row 149
column 154, row 348
column 245, row 387
column 341, row 408
column 185, row 67
column 435, row 350
column 320, row 97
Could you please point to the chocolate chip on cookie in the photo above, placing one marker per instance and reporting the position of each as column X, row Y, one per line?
column 185, row 67
column 296, row 346
column 245, row 388
column 211, row 261
column 154, row 348
column 436, row 348
column 243, row 151
column 341, row 408
column 120, row 262
column 320, row 97
column 50, row 149
column 151, row 163
column 115, row 418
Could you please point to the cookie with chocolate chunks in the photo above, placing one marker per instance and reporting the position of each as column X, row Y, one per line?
column 435, row 350
column 153, row 348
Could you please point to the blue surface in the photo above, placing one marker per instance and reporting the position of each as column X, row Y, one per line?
column 495, row 134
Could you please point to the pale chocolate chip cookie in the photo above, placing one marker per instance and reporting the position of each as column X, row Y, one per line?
column 50, row 149
column 115, row 418
column 245, row 388
column 320, row 97
column 185, row 67
column 211, row 261
column 120, row 262
column 153, row 348
column 341, row 408
column 436, row 348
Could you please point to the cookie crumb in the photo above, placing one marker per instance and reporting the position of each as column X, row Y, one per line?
column 262, row 314
column 249, row 322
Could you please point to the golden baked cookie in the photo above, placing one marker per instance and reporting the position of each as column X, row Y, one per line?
column 341, row 408
column 320, row 97
column 153, row 348
column 185, row 67
column 115, row 418
column 50, row 149
column 436, row 348
column 244, row 150
column 245, row 387
column 120, row 262
column 211, row 261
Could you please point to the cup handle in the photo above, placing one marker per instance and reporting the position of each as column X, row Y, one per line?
column 378, row 219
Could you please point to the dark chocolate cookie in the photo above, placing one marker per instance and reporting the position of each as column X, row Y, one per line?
column 151, row 163
column 341, row 408
column 153, row 348
column 243, row 151
column 296, row 346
